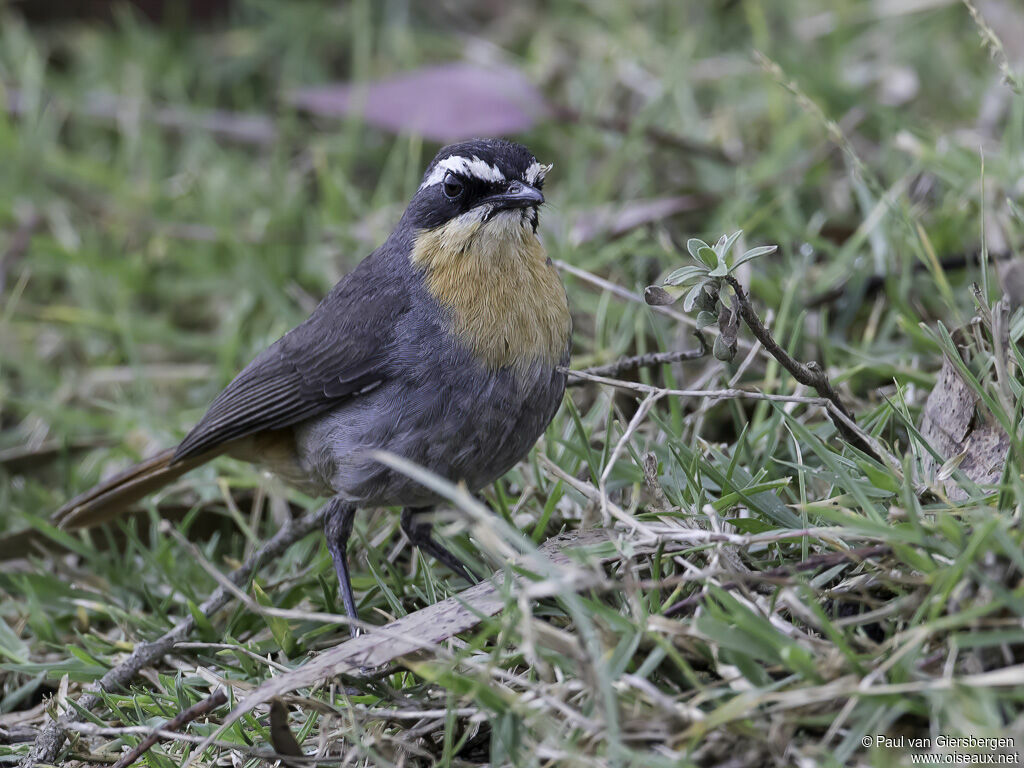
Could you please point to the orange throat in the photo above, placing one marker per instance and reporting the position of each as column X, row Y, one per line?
column 507, row 302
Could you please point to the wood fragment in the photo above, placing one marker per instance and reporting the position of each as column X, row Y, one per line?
column 808, row 374
column 635, row 362
column 420, row 630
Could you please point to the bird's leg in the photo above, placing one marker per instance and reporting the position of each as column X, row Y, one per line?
column 419, row 534
column 337, row 528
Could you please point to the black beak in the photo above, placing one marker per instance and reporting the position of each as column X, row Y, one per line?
column 516, row 195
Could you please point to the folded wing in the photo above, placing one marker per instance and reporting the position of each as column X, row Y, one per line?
column 341, row 350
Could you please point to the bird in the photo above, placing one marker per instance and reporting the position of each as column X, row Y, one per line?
column 446, row 346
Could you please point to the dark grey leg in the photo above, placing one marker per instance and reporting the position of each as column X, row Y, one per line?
column 337, row 529
column 419, row 534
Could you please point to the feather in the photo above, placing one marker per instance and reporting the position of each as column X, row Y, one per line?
column 339, row 351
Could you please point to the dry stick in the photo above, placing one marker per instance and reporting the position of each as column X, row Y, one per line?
column 622, row 293
column 424, row 629
column 183, row 718
column 809, row 374
column 724, row 394
column 51, row 739
column 783, row 571
column 650, row 360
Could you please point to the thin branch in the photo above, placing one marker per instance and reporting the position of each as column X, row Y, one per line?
column 809, row 374
column 618, row 290
column 877, row 449
column 634, row 424
column 650, row 360
column 179, row 721
column 51, row 739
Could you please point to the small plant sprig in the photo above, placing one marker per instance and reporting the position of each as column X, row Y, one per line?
column 709, row 285
column 706, row 286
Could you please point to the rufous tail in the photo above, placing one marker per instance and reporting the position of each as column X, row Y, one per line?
column 112, row 497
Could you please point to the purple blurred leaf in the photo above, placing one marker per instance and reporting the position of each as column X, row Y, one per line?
column 443, row 103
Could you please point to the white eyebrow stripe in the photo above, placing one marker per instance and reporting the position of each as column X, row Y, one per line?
column 536, row 173
column 468, row 166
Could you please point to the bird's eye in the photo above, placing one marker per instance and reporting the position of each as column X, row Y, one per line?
column 452, row 186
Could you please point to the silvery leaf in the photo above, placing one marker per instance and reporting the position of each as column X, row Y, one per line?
column 705, row 320
column 753, row 253
column 691, row 298
column 685, row 275
column 693, row 245
column 708, row 256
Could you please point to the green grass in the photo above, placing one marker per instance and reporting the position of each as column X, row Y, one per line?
column 165, row 260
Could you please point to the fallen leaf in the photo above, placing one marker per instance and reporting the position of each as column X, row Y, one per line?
column 963, row 433
column 443, row 103
column 281, row 737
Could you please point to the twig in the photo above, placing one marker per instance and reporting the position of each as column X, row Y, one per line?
column 51, row 739
column 634, row 424
column 424, row 629
column 650, row 360
column 811, row 563
column 877, row 449
column 183, row 718
column 809, row 374
column 624, row 293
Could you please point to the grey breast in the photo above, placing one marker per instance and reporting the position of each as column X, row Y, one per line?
column 438, row 408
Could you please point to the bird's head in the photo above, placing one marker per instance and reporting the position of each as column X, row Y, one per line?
column 473, row 223
column 477, row 183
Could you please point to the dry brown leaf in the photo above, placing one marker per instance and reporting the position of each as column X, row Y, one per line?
column 955, row 426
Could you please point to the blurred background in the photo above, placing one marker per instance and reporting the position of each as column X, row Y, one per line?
column 181, row 182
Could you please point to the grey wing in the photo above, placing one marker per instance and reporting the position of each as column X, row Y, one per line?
column 338, row 352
